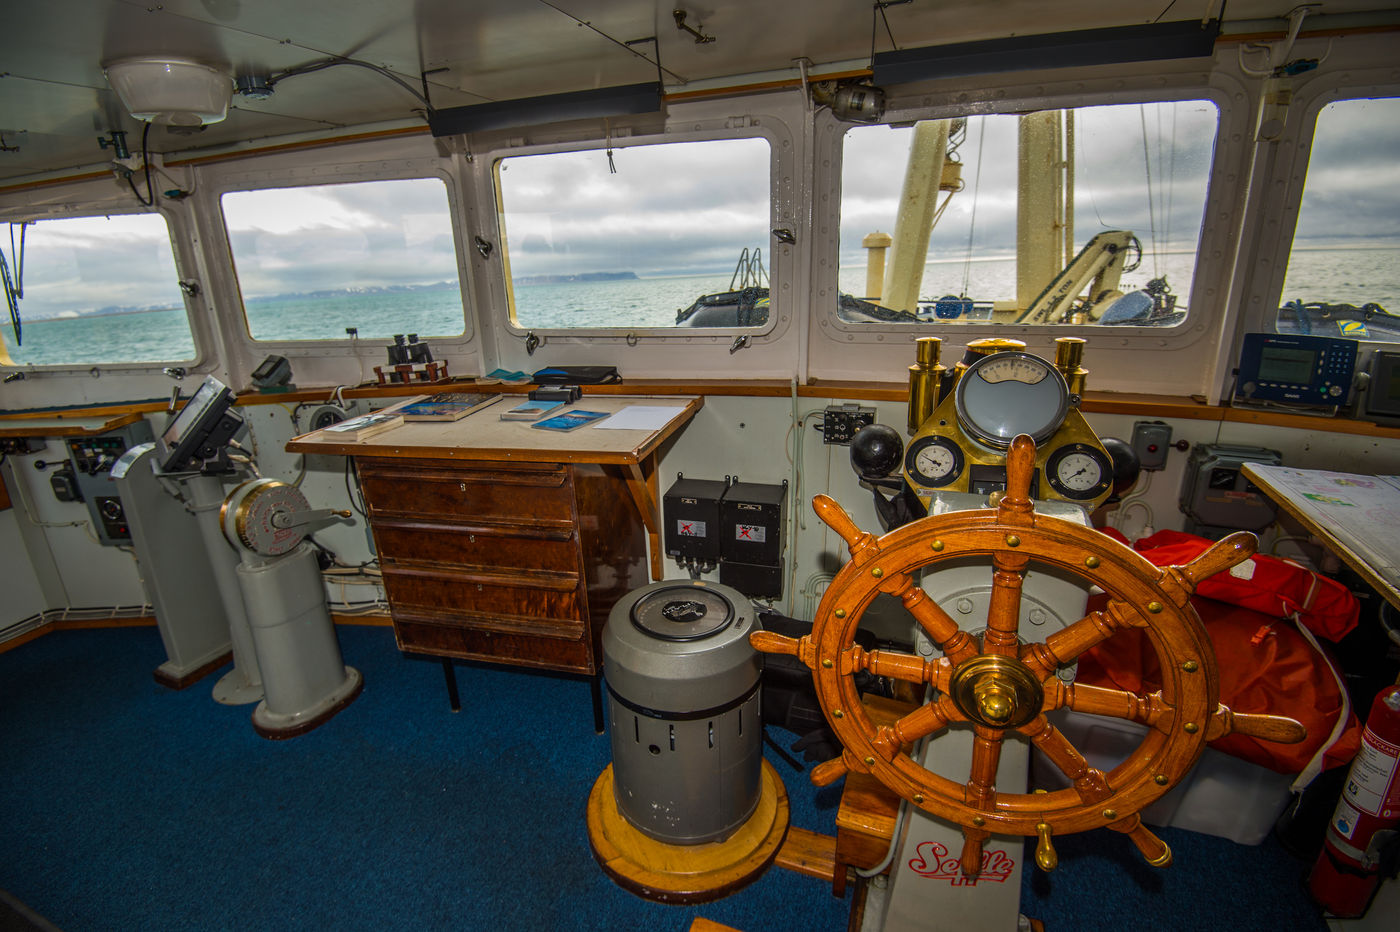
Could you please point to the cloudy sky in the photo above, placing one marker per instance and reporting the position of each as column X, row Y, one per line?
column 689, row 208
column 671, row 209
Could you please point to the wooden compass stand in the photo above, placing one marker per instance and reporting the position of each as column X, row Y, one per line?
column 700, row 873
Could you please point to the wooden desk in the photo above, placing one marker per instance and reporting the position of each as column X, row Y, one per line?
column 502, row 542
column 1357, row 517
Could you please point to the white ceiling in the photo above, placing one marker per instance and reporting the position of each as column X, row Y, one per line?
column 55, row 102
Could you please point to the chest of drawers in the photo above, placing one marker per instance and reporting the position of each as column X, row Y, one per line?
column 516, row 563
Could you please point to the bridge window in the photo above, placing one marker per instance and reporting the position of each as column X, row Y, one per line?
column 378, row 256
column 1344, row 268
column 1084, row 216
column 95, row 290
column 645, row 236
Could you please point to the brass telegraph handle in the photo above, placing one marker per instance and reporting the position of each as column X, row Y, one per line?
column 1001, row 683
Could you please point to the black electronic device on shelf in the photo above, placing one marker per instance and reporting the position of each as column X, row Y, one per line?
column 198, row 436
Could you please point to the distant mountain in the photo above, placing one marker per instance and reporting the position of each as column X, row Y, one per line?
column 575, row 279
column 368, row 289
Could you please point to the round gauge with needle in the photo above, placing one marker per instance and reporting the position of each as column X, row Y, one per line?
column 1079, row 472
column 1011, row 393
column 933, row 461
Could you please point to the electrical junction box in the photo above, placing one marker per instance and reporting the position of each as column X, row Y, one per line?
column 92, row 459
column 840, row 422
column 751, row 523
column 1216, row 496
column 691, row 508
column 751, row 518
column 1150, row 442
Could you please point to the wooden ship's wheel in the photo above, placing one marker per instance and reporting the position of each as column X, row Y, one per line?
column 1002, row 683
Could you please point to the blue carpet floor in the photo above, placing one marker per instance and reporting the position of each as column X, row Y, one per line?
column 129, row 806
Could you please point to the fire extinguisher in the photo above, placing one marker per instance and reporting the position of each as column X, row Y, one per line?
column 1362, row 837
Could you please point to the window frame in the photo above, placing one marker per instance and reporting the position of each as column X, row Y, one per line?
column 844, row 349
column 780, row 262
column 391, row 168
column 107, row 206
column 1005, row 106
column 1269, row 271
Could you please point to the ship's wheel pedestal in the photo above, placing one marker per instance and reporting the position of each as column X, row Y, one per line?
column 666, row 873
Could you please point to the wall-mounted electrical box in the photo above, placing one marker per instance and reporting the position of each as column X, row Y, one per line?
column 840, row 422
column 1151, row 440
column 737, row 526
column 751, row 517
column 1216, row 496
column 691, row 508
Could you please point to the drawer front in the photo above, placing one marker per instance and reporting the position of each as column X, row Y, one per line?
column 474, row 544
column 466, row 641
column 540, row 492
column 486, row 591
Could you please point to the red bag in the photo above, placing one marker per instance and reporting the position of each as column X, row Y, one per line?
column 1264, row 583
column 1265, row 666
column 1278, row 673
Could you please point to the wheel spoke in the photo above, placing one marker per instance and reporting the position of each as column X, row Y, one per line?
column 971, row 857
column 957, row 645
column 1004, row 606
column 927, row 719
column 1089, row 782
column 1277, row 728
column 1152, row 848
column 890, row 663
column 1148, row 710
column 1223, row 554
column 981, row 788
column 1068, row 644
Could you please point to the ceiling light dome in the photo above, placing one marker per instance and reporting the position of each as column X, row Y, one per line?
column 171, row 91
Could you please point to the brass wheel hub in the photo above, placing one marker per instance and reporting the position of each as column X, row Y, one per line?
column 995, row 691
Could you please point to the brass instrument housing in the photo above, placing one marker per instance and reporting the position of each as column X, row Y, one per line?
column 944, row 422
column 925, row 380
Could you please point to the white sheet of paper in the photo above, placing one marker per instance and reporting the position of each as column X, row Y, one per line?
column 639, row 417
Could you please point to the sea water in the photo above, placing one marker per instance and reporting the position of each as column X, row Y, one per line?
column 1354, row 276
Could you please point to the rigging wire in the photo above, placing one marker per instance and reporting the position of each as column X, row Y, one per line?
column 1151, row 205
column 976, row 191
column 1171, row 182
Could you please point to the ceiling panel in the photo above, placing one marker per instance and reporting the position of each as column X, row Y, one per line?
column 51, row 52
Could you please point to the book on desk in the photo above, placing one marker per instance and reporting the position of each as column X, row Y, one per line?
column 445, row 406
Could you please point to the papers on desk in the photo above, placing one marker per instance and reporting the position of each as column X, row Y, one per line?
column 1363, row 512
column 640, row 417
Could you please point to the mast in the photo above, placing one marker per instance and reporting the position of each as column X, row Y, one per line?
column 918, row 204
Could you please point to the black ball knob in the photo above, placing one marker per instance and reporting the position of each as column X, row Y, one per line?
column 1126, row 465
column 876, row 450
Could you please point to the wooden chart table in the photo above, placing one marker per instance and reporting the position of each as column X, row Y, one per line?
column 502, row 542
column 1357, row 517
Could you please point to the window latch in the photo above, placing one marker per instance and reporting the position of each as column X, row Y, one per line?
column 740, row 342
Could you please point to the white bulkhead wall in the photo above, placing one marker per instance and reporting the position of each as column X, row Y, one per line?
column 753, row 437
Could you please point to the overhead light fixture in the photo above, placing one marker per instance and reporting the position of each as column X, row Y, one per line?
column 1113, row 45
column 171, row 91
column 551, row 108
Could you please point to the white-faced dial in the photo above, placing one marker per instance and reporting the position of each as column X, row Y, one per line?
column 1010, row 393
column 933, row 461
column 1079, row 471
